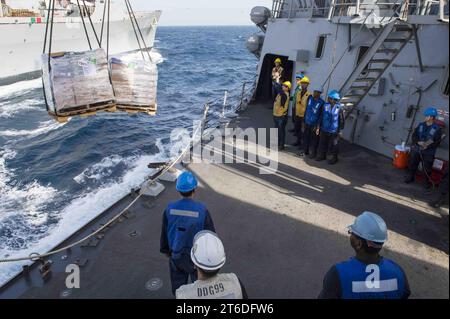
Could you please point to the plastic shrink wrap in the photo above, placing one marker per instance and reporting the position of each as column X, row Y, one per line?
column 135, row 84
column 77, row 82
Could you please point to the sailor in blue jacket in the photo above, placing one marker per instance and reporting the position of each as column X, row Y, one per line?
column 313, row 115
column 182, row 220
column 367, row 275
column 331, row 127
column 426, row 139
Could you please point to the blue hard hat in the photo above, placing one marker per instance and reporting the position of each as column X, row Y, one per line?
column 299, row 76
column 334, row 95
column 371, row 227
column 431, row 111
column 186, row 182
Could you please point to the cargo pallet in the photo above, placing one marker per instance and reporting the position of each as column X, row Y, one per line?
column 84, row 110
column 134, row 109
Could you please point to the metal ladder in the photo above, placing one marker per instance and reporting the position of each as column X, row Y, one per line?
column 386, row 47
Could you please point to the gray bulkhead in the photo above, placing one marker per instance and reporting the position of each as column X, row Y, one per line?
column 383, row 120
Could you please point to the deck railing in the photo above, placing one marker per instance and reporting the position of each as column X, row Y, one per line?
column 341, row 8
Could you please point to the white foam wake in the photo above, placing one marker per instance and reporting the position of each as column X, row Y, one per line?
column 23, row 207
column 85, row 208
column 101, row 170
column 8, row 109
column 44, row 127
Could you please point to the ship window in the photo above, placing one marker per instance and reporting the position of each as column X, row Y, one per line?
column 320, row 46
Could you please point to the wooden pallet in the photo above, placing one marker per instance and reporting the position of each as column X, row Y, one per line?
column 135, row 109
column 84, row 111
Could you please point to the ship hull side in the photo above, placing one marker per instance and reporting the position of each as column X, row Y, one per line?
column 21, row 48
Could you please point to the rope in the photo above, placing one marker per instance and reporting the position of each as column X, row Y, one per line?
column 107, row 30
column 430, row 180
column 51, row 34
column 103, row 23
column 134, row 28
column 84, row 25
column 46, row 26
column 334, row 56
column 92, row 25
column 35, row 257
column 139, row 29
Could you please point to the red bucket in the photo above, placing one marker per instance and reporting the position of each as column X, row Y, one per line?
column 401, row 154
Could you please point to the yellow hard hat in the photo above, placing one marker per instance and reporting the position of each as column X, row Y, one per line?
column 287, row 84
column 305, row 80
column 277, row 60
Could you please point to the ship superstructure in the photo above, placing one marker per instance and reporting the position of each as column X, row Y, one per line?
column 388, row 59
column 23, row 31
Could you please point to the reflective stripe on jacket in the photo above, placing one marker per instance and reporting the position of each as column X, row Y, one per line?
column 385, row 280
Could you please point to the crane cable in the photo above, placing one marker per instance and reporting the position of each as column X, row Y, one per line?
column 130, row 10
column 134, row 29
column 92, row 24
column 84, row 24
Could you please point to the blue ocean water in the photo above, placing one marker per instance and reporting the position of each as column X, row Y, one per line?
column 56, row 177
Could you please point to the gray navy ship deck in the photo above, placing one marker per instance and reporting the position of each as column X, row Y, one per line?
column 281, row 232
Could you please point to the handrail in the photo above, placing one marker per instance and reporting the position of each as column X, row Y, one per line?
column 442, row 11
column 36, row 257
column 351, row 41
column 345, row 51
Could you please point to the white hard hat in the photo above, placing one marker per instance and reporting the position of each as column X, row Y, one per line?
column 208, row 252
column 371, row 227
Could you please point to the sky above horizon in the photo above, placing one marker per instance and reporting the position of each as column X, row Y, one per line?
column 202, row 12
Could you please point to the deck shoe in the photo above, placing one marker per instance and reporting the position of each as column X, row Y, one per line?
column 437, row 203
